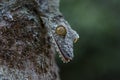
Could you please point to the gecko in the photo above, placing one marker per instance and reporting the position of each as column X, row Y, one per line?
column 63, row 36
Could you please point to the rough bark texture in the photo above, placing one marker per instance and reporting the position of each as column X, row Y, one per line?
column 25, row 48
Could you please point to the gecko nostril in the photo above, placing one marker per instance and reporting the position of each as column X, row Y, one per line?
column 75, row 40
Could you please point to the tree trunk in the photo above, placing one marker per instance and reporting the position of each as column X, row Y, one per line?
column 26, row 51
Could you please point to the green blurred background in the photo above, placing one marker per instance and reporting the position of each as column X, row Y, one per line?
column 97, row 54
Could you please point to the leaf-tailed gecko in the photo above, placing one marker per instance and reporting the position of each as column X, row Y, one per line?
column 59, row 29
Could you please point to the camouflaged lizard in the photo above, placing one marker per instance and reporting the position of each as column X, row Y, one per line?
column 59, row 29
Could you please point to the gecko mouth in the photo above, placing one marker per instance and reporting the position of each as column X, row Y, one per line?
column 63, row 57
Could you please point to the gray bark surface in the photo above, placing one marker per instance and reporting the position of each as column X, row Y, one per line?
column 26, row 51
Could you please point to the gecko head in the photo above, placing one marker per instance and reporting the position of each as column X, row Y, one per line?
column 64, row 37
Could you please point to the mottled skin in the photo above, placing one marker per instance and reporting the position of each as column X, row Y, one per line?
column 53, row 18
column 27, row 38
column 63, row 44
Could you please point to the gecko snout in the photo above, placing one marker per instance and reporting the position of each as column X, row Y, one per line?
column 75, row 40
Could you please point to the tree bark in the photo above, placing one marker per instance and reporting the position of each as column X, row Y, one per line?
column 26, row 51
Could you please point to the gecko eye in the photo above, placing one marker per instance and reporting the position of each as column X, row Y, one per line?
column 61, row 30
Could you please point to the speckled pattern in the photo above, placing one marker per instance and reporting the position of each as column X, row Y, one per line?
column 28, row 39
column 26, row 51
column 52, row 19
